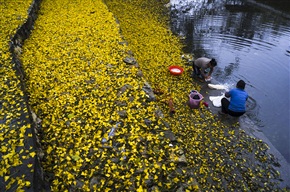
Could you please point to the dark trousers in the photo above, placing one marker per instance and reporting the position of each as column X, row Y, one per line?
column 225, row 108
column 196, row 70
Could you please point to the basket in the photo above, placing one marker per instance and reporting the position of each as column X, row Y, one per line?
column 194, row 99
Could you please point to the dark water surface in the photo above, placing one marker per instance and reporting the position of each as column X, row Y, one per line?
column 250, row 44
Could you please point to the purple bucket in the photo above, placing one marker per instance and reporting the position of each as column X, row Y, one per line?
column 194, row 99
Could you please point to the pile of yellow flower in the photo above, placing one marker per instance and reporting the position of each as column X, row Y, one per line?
column 222, row 157
column 81, row 89
column 15, row 132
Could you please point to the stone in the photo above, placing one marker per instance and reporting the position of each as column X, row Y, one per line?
column 123, row 113
column 166, row 124
column 182, row 159
column 169, row 135
column 131, row 98
column 147, row 122
column 148, row 90
column 115, row 160
column 180, row 189
column 120, row 103
column 79, row 184
column 123, row 43
column 94, row 181
column 124, row 89
column 139, row 73
column 130, row 60
column 159, row 114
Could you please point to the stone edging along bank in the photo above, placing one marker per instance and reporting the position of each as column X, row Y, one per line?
column 38, row 182
column 16, row 42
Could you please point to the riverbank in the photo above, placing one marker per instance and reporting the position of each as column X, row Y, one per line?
column 251, row 129
column 281, row 165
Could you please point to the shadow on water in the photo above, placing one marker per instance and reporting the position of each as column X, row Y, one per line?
column 249, row 43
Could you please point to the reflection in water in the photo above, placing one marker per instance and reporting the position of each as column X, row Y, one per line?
column 249, row 44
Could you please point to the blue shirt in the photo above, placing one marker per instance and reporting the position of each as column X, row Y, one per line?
column 238, row 100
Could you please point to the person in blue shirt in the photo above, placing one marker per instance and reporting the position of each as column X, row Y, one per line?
column 236, row 106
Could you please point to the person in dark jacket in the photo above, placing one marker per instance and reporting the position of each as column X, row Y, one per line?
column 203, row 67
column 236, row 106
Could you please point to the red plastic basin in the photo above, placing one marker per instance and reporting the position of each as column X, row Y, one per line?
column 175, row 70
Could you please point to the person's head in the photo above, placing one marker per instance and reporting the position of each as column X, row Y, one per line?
column 213, row 62
column 241, row 84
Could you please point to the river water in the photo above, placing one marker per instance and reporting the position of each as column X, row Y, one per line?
column 250, row 44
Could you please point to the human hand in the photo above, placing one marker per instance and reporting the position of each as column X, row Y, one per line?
column 208, row 78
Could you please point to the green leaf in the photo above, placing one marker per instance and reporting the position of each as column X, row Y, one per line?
column 71, row 115
column 75, row 157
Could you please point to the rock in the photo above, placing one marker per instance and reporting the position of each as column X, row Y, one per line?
column 178, row 159
column 123, row 113
column 131, row 98
column 120, row 103
column 67, row 123
column 180, row 189
column 79, row 184
column 159, row 114
column 135, row 65
column 147, row 122
column 168, row 5
column 123, row 43
column 18, row 50
column 130, row 60
column 148, row 90
column 36, row 120
column 182, row 159
column 166, row 124
column 180, row 152
column 123, row 89
column 139, row 73
column 169, row 135
column 94, row 181
column 154, row 188
column 115, row 160
column 149, row 182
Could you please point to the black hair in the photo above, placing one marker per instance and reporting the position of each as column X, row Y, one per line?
column 241, row 84
column 213, row 62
